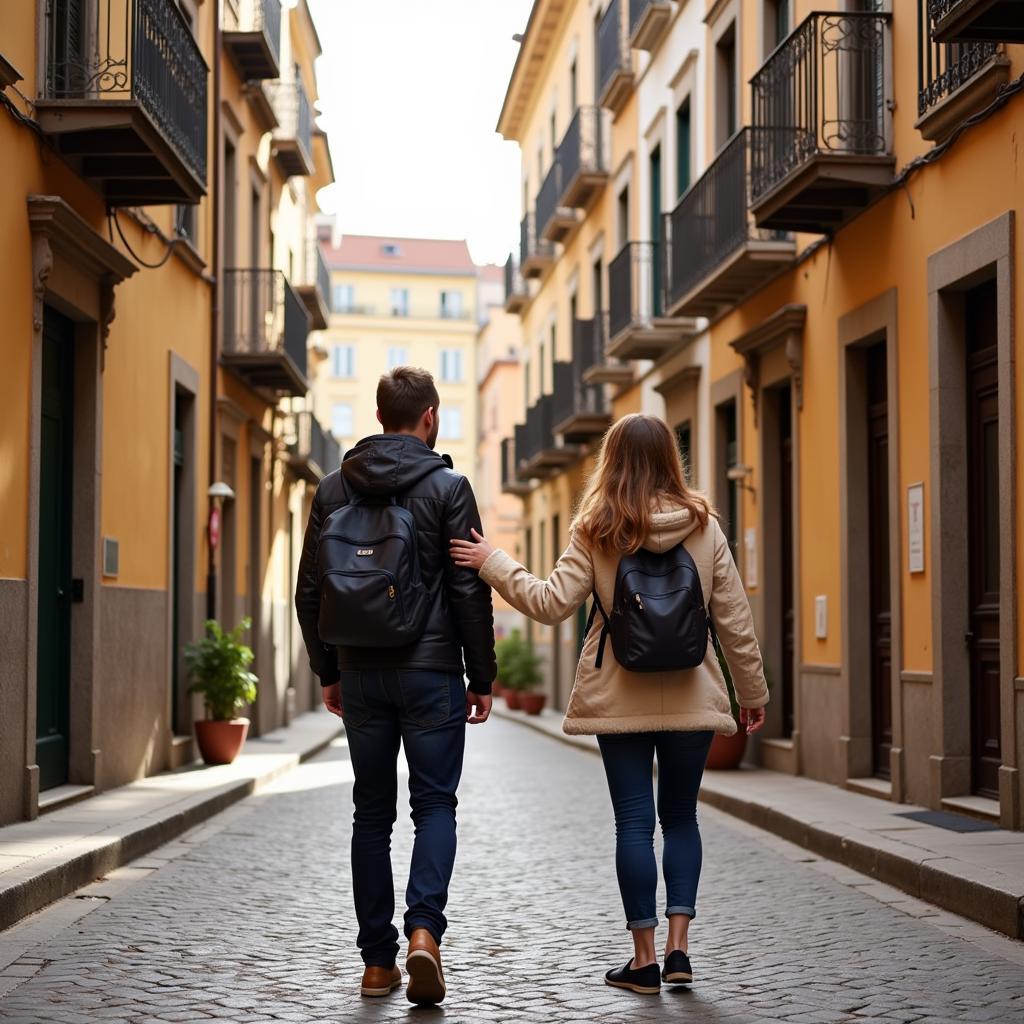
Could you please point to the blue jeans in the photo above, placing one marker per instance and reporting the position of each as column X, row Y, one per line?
column 425, row 711
column 629, row 765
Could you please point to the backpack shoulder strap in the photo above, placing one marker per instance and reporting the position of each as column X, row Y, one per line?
column 595, row 608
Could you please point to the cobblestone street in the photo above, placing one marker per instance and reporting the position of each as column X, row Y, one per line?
column 248, row 918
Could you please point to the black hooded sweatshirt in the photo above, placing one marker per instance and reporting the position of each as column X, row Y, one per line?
column 461, row 621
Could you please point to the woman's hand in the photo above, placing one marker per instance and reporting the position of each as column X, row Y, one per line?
column 471, row 554
column 752, row 718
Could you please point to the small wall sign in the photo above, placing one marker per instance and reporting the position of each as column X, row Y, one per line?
column 750, row 557
column 915, row 528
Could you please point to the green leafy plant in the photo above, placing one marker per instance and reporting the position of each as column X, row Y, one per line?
column 525, row 668
column 505, row 652
column 219, row 664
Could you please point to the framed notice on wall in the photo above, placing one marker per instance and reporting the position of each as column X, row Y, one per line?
column 915, row 528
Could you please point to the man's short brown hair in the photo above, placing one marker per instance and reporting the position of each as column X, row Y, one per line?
column 403, row 396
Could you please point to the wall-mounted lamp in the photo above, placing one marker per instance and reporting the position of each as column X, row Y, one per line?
column 220, row 490
column 738, row 475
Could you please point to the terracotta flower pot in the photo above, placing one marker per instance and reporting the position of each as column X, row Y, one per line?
column 220, row 742
column 532, row 703
column 497, row 689
column 727, row 751
column 512, row 700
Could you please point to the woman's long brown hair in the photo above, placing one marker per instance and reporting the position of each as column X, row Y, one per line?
column 638, row 467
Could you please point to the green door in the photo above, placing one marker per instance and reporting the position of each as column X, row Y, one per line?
column 53, row 658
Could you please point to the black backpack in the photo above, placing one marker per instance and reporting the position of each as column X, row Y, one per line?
column 371, row 590
column 658, row 622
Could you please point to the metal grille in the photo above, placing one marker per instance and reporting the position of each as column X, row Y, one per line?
column 631, row 286
column 294, row 114
column 581, row 150
column 514, row 283
column 943, row 67
column 256, row 16
column 141, row 50
column 548, row 196
column 314, row 443
column 530, row 244
column 613, row 45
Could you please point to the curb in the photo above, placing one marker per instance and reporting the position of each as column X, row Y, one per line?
column 972, row 898
column 59, row 876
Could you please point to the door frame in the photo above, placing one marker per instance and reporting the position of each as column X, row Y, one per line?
column 983, row 254
column 875, row 320
column 75, row 271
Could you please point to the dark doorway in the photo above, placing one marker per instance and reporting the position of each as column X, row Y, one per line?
column 782, row 397
column 684, row 441
column 878, row 554
column 228, row 537
column 656, row 231
column 727, row 457
column 53, row 655
column 255, row 587
column 983, row 536
column 178, row 512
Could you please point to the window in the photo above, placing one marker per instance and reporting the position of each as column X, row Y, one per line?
column 397, row 356
column 451, row 423
column 451, row 365
column 391, row 249
column 683, row 147
column 342, row 424
column 343, row 361
column 776, row 23
column 399, row 301
column 725, row 82
column 344, row 298
column 623, row 216
column 185, row 222
column 451, row 305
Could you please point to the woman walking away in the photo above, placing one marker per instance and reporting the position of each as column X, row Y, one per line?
column 652, row 553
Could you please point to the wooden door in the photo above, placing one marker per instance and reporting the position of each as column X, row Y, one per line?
column 878, row 557
column 983, row 537
column 53, row 657
column 786, row 590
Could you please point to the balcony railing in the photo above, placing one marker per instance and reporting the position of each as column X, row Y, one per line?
column 973, row 21
column 315, row 452
column 583, row 158
column 536, row 254
column 459, row 314
column 293, row 138
column 615, row 58
column 315, row 289
column 590, row 343
column 821, row 131
column 581, row 412
column 511, row 483
column 252, row 37
column 553, row 223
column 517, row 294
column 124, row 97
column 540, row 454
column 714, row 255
column 648, row 20
column 265, row 330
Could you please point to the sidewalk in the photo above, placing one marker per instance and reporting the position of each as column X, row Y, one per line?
column 45, row 859
column 976, row 874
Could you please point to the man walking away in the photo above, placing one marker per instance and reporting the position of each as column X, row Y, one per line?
column 392, row 627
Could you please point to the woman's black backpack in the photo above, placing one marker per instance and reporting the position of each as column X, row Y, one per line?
column 371, row 591
column 658, row 622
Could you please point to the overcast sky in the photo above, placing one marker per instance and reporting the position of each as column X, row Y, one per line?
column 410, row 92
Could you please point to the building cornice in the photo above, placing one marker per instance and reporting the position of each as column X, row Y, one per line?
column 784, row 327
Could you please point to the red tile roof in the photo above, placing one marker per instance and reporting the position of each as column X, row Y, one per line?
column 422, row 255
column 492, row 274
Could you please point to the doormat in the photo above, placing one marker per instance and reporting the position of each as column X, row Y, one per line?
column 950, row 822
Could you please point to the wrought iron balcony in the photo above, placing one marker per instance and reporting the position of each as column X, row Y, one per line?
column 517, row 294
column 535, row 254
column 590, row 342
column 554, row 221
column 510, row 479
column 315, row 452
column 581, row 413
column 636, row 322
column 614, row 58
column 252, row 37
column 293, row 138
column 648, row 20
column 124, row 99
column 265, row 329
column 540, row 455
column 821, row 136
column 315, row 290
column 714, row 255
column 973, row 21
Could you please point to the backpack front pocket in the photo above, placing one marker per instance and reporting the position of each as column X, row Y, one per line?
column 362, row 608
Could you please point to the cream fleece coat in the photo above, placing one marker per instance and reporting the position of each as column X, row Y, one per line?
column 614, row 700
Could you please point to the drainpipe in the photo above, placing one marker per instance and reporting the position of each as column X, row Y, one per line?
column 215, row 302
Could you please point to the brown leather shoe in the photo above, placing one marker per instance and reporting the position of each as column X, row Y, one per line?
column 380, row 981
column 423, row 965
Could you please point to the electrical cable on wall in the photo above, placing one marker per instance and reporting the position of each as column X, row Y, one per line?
column 150, row 228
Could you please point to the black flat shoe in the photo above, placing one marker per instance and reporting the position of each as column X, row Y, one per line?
column 646, row 980
column 677, row 969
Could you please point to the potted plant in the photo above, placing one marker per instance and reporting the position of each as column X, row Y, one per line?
column 507, row 651
column 527, row 672
column 502, row 650
column 219, row 664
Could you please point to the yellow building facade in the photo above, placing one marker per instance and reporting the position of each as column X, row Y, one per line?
column 820, row 299
column 160, row 288
column 395, row 302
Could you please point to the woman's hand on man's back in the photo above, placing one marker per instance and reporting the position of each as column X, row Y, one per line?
column 471, row 554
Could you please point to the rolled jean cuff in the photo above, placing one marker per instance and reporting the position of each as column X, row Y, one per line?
column 688, row 911
column 647, row 922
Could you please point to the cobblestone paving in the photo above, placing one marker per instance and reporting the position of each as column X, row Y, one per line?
column 248, row 919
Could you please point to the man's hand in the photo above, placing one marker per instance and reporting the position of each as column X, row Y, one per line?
column 332, row 698
column 752, row 718
column 482, row 706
